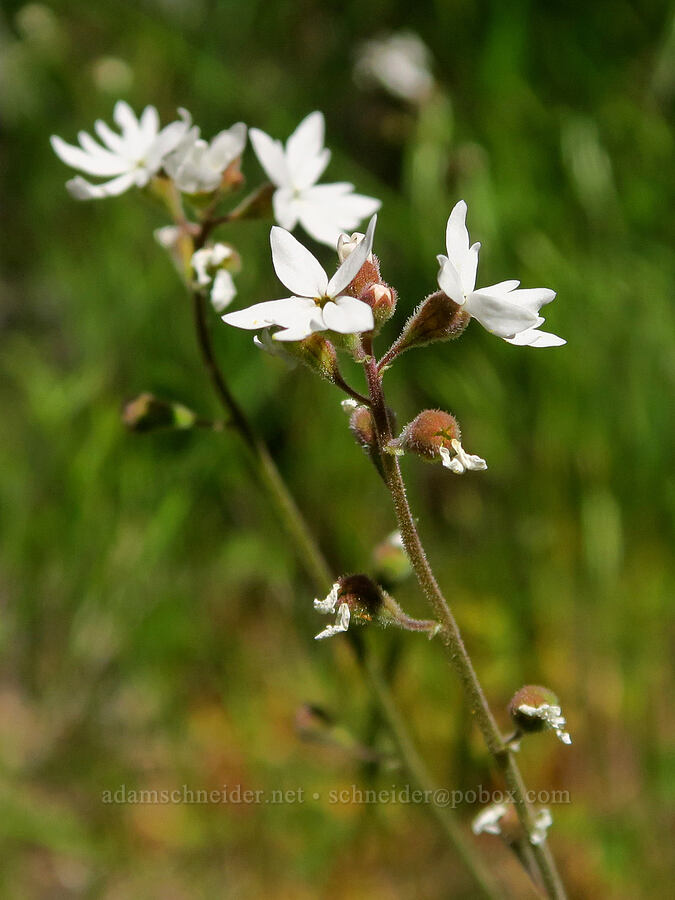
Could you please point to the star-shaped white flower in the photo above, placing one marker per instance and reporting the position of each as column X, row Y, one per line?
column 503, row 309
column 129, row 159
column 197, row 166
column 324, row 210
column 317, row 304
column 328, row 606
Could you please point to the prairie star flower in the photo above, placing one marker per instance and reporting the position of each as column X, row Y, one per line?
column 317, row 304
column 400, row 63
column 325, row 210
column 542, row 822
column 129, row 159
column 328, row 606
column 197, row 166
column 504, row 309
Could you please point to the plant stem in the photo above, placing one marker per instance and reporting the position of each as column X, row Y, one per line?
column 450, row 633
column 319, row 571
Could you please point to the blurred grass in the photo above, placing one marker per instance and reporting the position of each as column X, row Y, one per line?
column 156, row 629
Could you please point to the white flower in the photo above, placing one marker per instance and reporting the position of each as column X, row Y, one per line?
column 503, row 309
column 399, row 63
column 207, row 265
column 197, row 166
column 129, row 159
column 328, row 606
column 317, row 304
column 461, row 461
column 325, row 210
column 551, row 715
column 167, row 236
column 542, row 822
column 488, row 819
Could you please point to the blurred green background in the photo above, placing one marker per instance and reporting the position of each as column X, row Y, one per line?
column 156, row 629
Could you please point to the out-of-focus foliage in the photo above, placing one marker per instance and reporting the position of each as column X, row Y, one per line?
column 156, row 629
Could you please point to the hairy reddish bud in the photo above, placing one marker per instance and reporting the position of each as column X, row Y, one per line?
column 427, row 433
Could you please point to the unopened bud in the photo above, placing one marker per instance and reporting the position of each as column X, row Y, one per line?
column 382, row 300
column 316, row 353
column 438, row 318
column 431, row 430
column 391, row 562
column 148, row 413
column 534, row 708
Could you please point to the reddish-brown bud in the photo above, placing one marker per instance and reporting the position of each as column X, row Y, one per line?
column 427, row 433
column 534, row 708
column 362, row 596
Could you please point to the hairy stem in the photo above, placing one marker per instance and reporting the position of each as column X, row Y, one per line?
column 319, row 571
column 450, row 633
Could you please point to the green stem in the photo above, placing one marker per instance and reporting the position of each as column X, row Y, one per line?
column 450, row 633
column 319, row 571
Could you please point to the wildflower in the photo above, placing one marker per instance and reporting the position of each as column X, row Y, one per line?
column 329, row 606
column 129, row 159
column 503, row 309
column 207, row 264
column 535, row 708
column 197, row 166
column 400, row 63
column 433, row 433
column 317, row 304
column 325, row 210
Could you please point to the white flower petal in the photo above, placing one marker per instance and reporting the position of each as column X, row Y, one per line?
column 125, row 118
column 101, row 164
column 285, row 313
column 349, row 269
column 348, row 316
column 456, row 233
column 327, row 210
column 328, row 605
column 530, row 298
column 296, row 267
column 271, row 157
column 497, row 315
column 532, row 337
column 81, row 189
column 223, row 291
column 306, row 157
column 341, row 623
column 149, row 123
column 449, row 280
column 227, row 146
column 285, row 206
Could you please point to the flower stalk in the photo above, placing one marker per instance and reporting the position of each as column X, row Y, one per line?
column 449, row 633
column 319, row 571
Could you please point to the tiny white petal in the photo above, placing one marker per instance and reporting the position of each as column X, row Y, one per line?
column 341, row 623
column 328, row 605
column 348, row 405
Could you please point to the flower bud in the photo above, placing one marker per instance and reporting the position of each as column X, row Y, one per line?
column 391, row 562
column 148, row 413
column 427, row 433
column 318, row 354
column 382, row 300
column 438, row 318
column 534, row 708
column 353, row 598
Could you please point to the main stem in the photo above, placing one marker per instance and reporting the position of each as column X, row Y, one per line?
column 319, row 571
column 450, row 633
